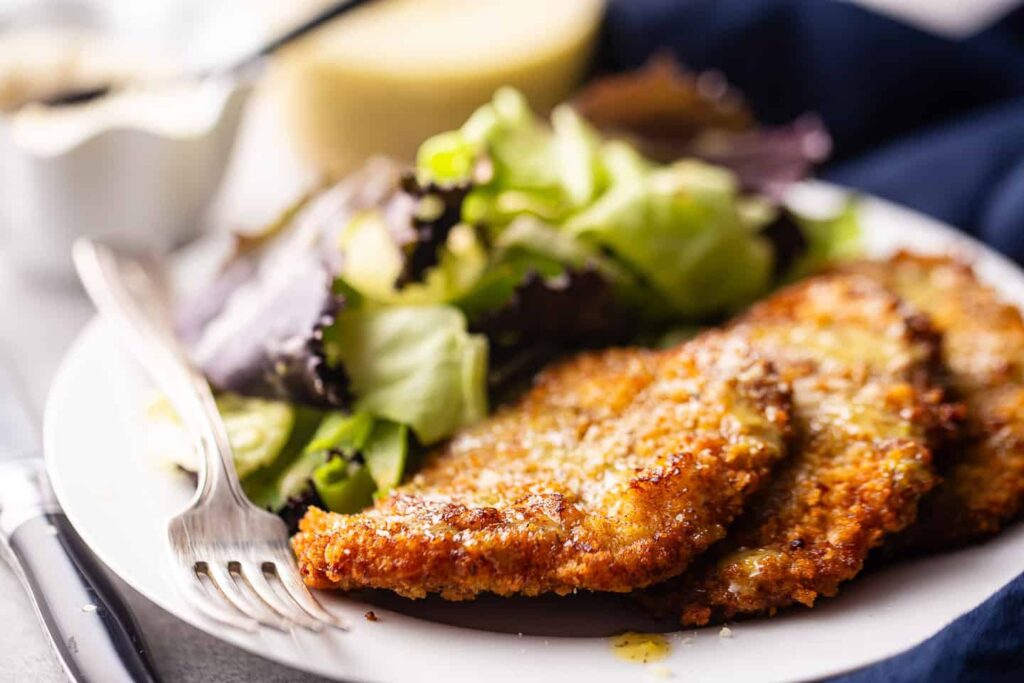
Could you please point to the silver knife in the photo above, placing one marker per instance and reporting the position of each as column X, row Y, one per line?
column 89, row 626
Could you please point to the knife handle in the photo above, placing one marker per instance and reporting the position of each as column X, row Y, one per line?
column 90, row 627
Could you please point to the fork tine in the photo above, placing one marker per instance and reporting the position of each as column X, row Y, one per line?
column 197, row 596
column 297, row 589
column 257, row 580
column 222, row 579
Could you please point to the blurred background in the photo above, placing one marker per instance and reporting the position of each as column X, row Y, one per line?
column 377, row 82
column 158, row 167
column 922, row 99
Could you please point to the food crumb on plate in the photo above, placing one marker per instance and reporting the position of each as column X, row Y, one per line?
column 370, row 616
column 726, row 632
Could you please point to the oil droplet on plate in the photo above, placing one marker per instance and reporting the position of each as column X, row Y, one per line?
column 640, row 647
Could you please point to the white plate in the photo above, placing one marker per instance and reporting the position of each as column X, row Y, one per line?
column 119, row 501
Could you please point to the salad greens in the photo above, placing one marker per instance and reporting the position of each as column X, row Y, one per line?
column 334, row 459
column 257, row 429
column 684, row 230
column 510, row 238
column 414, row 365
column 828, row 240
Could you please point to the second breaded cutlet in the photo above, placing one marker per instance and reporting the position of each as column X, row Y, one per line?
column 612, row 473
column 983, row 354
column 859, row 364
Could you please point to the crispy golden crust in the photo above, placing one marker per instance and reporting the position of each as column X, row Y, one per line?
column 983, row 351
column 610, row 474
column 859, row 367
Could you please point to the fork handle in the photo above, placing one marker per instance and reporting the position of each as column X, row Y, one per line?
column 89, row 626
column 133, row 300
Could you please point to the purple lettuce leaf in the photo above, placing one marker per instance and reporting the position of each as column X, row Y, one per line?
column 258, row 328
column 767, row 159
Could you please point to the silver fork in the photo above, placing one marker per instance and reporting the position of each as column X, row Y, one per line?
column 240, row 550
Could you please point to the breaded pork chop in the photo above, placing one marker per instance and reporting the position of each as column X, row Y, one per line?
column 983, row 352
column 859, row 366
column 611, row 473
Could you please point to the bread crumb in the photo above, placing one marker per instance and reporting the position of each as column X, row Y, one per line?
column 370, row 616
column 726, row 632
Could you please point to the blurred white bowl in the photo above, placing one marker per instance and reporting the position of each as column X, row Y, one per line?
column 138, row 169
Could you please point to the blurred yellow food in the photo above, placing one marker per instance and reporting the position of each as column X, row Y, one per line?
column 390, row 74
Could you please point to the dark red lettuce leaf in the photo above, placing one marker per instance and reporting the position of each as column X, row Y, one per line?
column 544, row 318
column 432, row 210
column 662, row 101
column 295, row 507
column 577, row 307
column 787, row 238
column 671, row 113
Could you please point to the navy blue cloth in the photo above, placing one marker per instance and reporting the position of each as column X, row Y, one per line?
column 927, row 121
column 985, row 645
column 930, row 122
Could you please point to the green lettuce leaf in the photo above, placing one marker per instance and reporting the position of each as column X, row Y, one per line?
column 415, row 365
column 341, row 432
column 257, row 429
column 522, row 165
column 683, row 229
column 342, row 482
column 829, row 240
column 385, row 453
column 344, row 486
column 623, row 163
column 338, row 437
column 326, row 462
column 272, row 485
